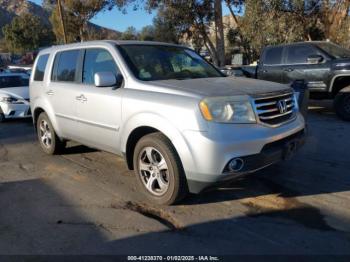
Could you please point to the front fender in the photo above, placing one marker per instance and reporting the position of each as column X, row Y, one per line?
column 163, row 125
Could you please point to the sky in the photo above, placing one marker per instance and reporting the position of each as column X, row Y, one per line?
column 119, row 21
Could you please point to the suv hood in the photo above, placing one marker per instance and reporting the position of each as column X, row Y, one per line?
column 222, row 86
column 21, row 92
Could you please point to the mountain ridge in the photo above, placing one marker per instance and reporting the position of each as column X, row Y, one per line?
column 9, row 9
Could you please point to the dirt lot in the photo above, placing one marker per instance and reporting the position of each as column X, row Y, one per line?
column 86, row 202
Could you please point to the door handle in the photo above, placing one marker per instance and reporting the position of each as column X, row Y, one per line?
column 289, row 70
column 81, row 98
column 50, row 93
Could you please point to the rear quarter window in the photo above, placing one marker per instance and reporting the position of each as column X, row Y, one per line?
column 40, row 68
column 65, row 67
column 273, row 56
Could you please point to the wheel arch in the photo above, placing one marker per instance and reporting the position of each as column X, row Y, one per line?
column 144, row 124
column 36, row 115
column 339, row 82
column 42, row 106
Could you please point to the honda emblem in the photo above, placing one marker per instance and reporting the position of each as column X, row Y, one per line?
column 282, row 106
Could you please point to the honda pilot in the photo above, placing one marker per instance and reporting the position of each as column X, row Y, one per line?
column 180, row 124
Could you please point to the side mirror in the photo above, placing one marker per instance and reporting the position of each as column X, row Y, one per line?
column 315, row 59
column 107, row 79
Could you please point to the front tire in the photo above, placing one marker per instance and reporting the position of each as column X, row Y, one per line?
column 158, row 170
column 342, row 105
column 48, row 139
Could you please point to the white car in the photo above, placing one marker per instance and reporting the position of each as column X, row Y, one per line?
column 14, row 96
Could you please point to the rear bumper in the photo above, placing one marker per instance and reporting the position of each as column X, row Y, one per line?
column 271, row 153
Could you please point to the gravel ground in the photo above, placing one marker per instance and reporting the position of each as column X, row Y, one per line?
column 86, row 202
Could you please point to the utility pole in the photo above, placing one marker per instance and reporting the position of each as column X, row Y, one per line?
column 219, row 31
column 62, row 21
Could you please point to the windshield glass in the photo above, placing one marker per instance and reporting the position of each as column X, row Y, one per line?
column 334, row 50
column 13, row 81
column 156, row 62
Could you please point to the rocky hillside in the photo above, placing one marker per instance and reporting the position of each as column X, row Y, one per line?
column 11, row 8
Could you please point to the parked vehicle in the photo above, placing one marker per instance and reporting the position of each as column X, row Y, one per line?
column 323, row 65
column 14, row 96
column 17, row 69
column 178, row 121
column 236, row 71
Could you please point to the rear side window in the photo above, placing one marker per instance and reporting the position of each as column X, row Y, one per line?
column 65, row 67
column 98, row 60
column 299, row 54
column 273, row 56
column 40, row 68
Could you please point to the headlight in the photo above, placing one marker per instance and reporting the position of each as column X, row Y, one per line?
column 227, row 110
column 8, row 99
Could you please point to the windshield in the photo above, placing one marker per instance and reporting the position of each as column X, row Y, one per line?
column 13, row 81
column 156, row 62
column 334, row 50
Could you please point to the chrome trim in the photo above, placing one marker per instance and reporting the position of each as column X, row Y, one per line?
column 272, row 110
column 257, row 112
column 112, row 128
column 275, row 116
column 262, row 97
column 267, row 104
column 334, row 77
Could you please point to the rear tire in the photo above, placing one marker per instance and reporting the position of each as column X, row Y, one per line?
column 48, row 139
column 158, row 170
column 342, row 105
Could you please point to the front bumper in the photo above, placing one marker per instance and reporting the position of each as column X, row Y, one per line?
column 259, row 146
column 15, row 110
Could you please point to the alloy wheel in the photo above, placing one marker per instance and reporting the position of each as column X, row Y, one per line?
column 45, row 134
column 153, row 171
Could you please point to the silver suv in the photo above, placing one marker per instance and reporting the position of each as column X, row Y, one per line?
column 178, row 121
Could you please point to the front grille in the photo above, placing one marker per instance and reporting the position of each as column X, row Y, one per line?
column 275, row 110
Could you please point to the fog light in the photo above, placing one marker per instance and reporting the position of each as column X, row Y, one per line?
column 236, row 164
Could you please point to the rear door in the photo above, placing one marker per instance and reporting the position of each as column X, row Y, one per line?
column 271, row 68
column 99, row 108
column 63, row 91
column 298, row 68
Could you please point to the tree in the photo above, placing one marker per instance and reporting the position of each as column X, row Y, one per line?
column 77, row 14
column 161, row 30
column 334, row 16
column 3, row 46
column 165, row 30
column 147, row 33
column 194, row 19
column 71, row 26
column 267, row 22
column 27, row 33
column 130, row 34
column 49, row 5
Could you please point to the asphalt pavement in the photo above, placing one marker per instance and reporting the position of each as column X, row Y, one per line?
column 86, row 202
